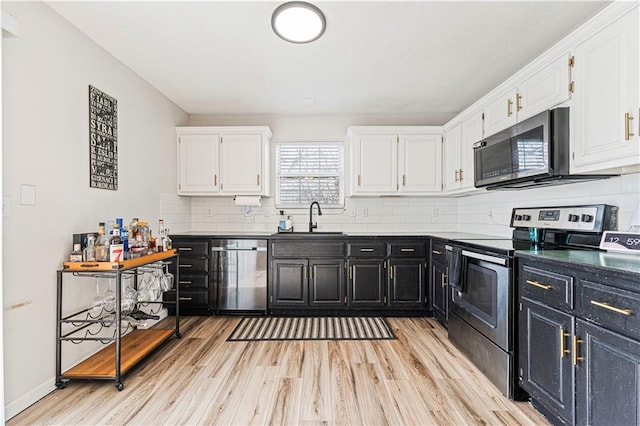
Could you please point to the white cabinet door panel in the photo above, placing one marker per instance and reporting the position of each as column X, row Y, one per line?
column 421, row 163
column 198, row 164
column 452, row 158
column 500, row 113
column 545, row 89
column 471, row 131
column 376, row 164
column 241, row 163
column 606, row 76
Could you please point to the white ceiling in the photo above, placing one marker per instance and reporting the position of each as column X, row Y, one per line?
column 384, row 57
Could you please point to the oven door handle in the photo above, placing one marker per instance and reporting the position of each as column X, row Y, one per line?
column 486, row 258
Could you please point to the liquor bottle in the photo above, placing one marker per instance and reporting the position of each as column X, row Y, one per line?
column 168, row 243
column 102, row 245
column 160, row 244
column 89, row 253
column 116, row 246
column 76, row 254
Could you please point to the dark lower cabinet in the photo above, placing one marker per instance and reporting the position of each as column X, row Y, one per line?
column 196, row 288
column 546, row 369
column 439, row 287
column 607, row 377
column 579, row 341
column 407, row 283
column 367, row 278
column 327, row 283
column 289, row 282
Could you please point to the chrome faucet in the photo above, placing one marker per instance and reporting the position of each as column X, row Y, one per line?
column 313, row 226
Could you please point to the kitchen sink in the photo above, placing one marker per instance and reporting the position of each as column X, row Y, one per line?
column 307, row 234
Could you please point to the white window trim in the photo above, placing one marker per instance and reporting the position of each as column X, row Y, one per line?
column 333, row 208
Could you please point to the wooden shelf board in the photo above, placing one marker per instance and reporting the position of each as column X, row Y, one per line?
column 112, row 266
column 134, row 346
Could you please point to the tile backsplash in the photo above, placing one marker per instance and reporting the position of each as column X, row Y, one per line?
column 483, row 212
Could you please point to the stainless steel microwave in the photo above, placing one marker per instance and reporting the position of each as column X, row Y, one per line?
column 531, row 153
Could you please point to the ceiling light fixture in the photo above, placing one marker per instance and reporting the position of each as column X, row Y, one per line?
column 298, row 22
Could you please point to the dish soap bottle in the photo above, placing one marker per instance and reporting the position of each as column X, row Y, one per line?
column 288, row 224
column 282, row 225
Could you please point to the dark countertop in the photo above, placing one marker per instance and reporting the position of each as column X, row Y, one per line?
column 599, row 259
column 436, row 234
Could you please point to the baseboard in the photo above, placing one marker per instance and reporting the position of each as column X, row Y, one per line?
column 30, row 398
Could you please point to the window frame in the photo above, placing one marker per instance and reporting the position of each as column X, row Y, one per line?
column 341, row 176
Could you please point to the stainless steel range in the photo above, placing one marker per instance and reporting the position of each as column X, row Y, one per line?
column 482, row 321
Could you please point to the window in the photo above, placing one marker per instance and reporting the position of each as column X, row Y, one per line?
column 309, row 171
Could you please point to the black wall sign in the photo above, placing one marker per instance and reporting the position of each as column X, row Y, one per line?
column 103, row 140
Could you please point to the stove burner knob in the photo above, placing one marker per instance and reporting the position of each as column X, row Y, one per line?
column 587, row 218
column 526, row 217
column 574, row 218
column 517, row 217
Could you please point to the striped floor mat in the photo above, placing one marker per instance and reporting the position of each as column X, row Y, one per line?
column 312, row 328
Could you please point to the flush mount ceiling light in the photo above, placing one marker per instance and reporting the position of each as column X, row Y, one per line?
column 298, row 22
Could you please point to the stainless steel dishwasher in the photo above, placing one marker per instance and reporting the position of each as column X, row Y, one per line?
column 240, row 275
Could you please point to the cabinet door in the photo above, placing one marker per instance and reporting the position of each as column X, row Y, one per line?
column 546, row 369
column 607, row 377
column 420, row 164
column 500, row 112
column 367, row 279
column 198, row 164
column 406, row 283
column 545, row 89
column 452, row 157
column 326, row 279
column 471, row 131
column 375, row 164
column 289, row 282
column 606, row 88
column 439, row 291
column 241, row 163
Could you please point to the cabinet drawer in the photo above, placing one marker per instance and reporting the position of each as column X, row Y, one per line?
column 308, row 249
column 193, row 264
column 192, row 248
column 613, row 308
column 373, row 249
column 438, row 252
column 407, row 249
column 550, row 288
column 192, row 297
column 188, row 282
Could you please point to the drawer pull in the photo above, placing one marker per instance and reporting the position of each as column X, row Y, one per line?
column 537, row 284
column 605, row 305
column 436, row 252
column 410, row 250
column 576, row 358
column 186, row 299
column 185, row 249
column 443, row 277
column 366, row 249
column 184, row 282
column 185, row 266
column 563, row 351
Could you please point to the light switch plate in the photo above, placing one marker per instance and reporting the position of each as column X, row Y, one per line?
column 28, row 195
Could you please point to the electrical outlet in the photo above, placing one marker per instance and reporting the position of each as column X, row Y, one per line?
column 490, row 212
column 365, row 212
column 434, row 212
column 209, row 213
column 353, row 212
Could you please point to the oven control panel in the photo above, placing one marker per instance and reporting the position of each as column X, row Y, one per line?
column 593, row 218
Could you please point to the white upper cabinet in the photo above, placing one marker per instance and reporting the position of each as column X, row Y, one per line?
column 420, row 163
column 543, row 89
column 395, row 160
column 223, row 160
column 605, row 114
column 198, row 171
column 458, row 147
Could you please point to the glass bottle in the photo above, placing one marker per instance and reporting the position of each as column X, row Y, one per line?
column 89, row 252
column 168, row 243
column 116, row 246
column 160, row 244
column 76, row 254
column 102, row 245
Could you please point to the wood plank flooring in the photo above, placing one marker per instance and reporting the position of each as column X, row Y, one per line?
column 418, row 379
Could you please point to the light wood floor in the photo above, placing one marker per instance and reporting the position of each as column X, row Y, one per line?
column 419, row 379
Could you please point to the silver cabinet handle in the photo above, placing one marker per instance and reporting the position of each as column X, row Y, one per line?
column 186, row 299
column 410, row 250
column 185, row 249
column 366, row 249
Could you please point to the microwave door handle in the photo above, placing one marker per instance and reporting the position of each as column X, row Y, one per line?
column 479, row 144
column 486, row 258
